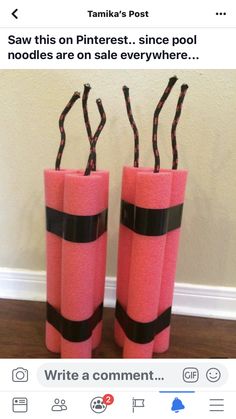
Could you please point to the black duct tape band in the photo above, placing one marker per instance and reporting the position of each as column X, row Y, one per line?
column 150, row 222
column 76, row 228
column 140, row 332
column 74, row 331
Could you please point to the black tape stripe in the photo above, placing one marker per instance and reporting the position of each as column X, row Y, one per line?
column 140, row 332
column 74, row 331
column 76, row 228
column 150, row 222
column 53, row 317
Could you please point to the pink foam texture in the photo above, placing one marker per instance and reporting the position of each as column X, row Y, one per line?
column 83, row 195
column 152, row 191
column 124, row 248
column 54, row 190
column 128, row 190
column 179, row 179
column 100, row 273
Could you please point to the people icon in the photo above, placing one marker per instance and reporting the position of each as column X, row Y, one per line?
column 97, row 405
column 59, row 406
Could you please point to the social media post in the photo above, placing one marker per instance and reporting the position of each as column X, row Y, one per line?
column 117, row 290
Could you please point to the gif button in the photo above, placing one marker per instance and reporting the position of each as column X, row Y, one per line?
column 190, row 375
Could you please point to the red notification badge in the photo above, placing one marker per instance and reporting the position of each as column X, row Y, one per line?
column 108, row 399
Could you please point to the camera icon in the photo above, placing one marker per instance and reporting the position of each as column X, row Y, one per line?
column 20, row 375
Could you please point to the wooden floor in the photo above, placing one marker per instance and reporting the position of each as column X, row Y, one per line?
column 22, row 334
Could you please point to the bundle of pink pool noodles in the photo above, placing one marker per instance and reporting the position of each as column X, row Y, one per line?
column 76, row 239
column 151, row 210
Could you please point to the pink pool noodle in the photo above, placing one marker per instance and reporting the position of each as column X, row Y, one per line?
column 179, row 178
column 152, row 191
column 124, row 248
column 100, row 258
column 125, row 245
column 54, row 190
column 82, row 196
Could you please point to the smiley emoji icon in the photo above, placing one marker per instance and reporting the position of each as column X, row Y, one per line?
column 213, row 375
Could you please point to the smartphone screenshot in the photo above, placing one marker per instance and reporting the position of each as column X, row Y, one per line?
column 117, row 215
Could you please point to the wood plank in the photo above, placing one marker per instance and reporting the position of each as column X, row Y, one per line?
column 22, row 334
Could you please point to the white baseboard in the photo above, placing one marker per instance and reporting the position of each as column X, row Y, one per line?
column 189, row 299
column 22, row 284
